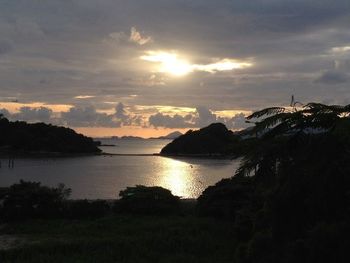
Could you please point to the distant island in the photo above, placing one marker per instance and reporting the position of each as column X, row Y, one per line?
column 213, row 140
column 22, row 138
column 170, row 136
column 129, row 137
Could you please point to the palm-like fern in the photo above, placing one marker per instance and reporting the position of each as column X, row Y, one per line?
column 281, row 120
column 277, row 126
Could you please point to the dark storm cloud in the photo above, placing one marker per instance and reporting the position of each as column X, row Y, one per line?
column 41, row 114
column 238, row 121
column 88, row 117
column 78, row 116
column 204, row 117
column 167, row 121
column 121, row 114
column 201, row 118
column 54, row 51
column 5, row 46
column 34, row 114
column 5, row 113
column 333, row 77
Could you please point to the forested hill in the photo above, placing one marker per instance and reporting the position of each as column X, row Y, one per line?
column 23, row 138
column 212, row 140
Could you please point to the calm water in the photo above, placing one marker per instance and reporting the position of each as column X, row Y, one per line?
column 104, row 176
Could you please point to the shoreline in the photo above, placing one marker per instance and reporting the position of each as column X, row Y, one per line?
column 201, row 156
column 35, row 155
column 25, row 155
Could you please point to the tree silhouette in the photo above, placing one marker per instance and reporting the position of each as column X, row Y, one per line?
column 290, row 198
column 300, row 167
column 279, row 127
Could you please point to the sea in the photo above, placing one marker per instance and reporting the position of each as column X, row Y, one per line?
column 103, row 177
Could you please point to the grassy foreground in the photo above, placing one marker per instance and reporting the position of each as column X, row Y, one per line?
column 121, row 239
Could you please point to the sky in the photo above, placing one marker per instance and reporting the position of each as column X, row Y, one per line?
column 147, row 68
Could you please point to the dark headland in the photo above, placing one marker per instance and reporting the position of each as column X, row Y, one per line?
column 214, row 140
column 21, row 139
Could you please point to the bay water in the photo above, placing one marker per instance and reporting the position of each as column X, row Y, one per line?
column 103, row 177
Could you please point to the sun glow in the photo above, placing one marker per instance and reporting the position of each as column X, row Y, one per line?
column 223, row 65
column 169, row 62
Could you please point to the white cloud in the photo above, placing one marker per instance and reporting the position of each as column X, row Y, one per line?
column 84, row 97
column 136, row 37
column 222, row 65
column 340, row 49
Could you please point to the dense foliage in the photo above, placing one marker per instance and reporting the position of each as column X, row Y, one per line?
column 290, row 200
column 21, row 137
column 147, row 200
column 32, row 200
column 28, row 200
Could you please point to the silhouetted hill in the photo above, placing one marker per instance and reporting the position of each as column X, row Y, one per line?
column 23, row 138
column 170, row 136
column 211, row 140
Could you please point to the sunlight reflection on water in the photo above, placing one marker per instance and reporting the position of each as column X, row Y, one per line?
column 188, row 177
column 103, row 177
column 177, row 177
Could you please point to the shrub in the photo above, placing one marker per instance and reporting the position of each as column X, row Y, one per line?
column 226, row 198
column 31, row 200
column 147, row 200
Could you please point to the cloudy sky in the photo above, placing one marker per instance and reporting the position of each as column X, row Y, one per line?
column 111, row 67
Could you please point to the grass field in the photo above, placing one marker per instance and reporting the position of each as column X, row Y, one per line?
column 121, row 239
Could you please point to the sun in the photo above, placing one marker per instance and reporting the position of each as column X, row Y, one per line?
column 169, row 63
column 176, row 67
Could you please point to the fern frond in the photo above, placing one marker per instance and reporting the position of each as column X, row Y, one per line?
column 246, row 167
column 267, row 111
column 270, row 122
column 313, row 108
